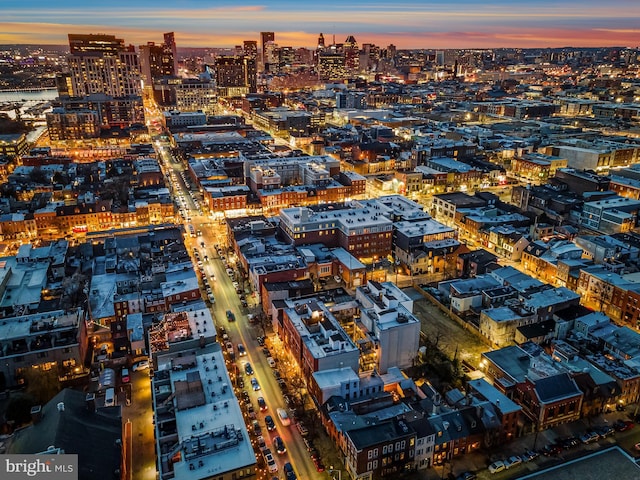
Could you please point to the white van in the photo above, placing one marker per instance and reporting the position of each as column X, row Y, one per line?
column 110, row 397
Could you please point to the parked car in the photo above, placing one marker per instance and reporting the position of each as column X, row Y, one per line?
column 529, row 455
column 271, row 425
column 623, row 425
column 141, row 365
column 589, row 437
column 302, row 429
column 467, row 476
column 308, row 443
column 278, row 444
column 512, row 461
column 260, row 340
column 255, row 384
column 288, row 471
column 496, row 467
column 124, row 375
column 271, row 463
column 257, row 429
column 605, row 431
column 552, row 449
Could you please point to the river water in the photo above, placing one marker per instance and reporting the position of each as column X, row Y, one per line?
column 37, row 96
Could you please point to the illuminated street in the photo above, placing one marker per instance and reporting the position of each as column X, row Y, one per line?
column 240, row 331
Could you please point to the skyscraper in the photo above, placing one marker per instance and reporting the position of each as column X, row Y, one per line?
column 231, row 75
column 265, row 37
column 351, row 54
column 157, row 61
column 250, row 48
column 102, row 64
column 170, row 44
column 95, row 43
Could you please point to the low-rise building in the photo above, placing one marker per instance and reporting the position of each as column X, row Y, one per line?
column 388, row 325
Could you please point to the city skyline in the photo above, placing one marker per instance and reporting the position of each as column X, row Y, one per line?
column 410, row 24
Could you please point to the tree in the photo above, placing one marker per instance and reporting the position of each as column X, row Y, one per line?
column 42, row 385
column 19, row 409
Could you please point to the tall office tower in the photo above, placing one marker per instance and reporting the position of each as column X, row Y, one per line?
column 351, row 54
column 331, row 66
column 321, row 46
column 250, row 49
column 265, row 37
column 95, row 43
column 231, row 76
column 102, row 64
column 286, row 59
column 170, row 44
column 156, row 61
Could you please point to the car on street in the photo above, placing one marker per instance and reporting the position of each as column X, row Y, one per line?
column 257, row 429
column 230, row 316
column 278, row 444
column 302, row 429
column 288, row 471
column 308, row 444
column 248, row 369
column 512, row 461
column 623, row 425
column 284, row 417
column 529, row 455
column 589, row 437
column 229, row 347
column 552, row 449
column 496, row 467
column 271, row 425
column 245, row 397
column 271, row 463
column 141, row 365
column 255, row 384
column 260, row 340
column 262, row 404
column 467, row 476
column 241, row 350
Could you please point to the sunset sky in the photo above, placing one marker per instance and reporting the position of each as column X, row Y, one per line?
column 405, row 23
